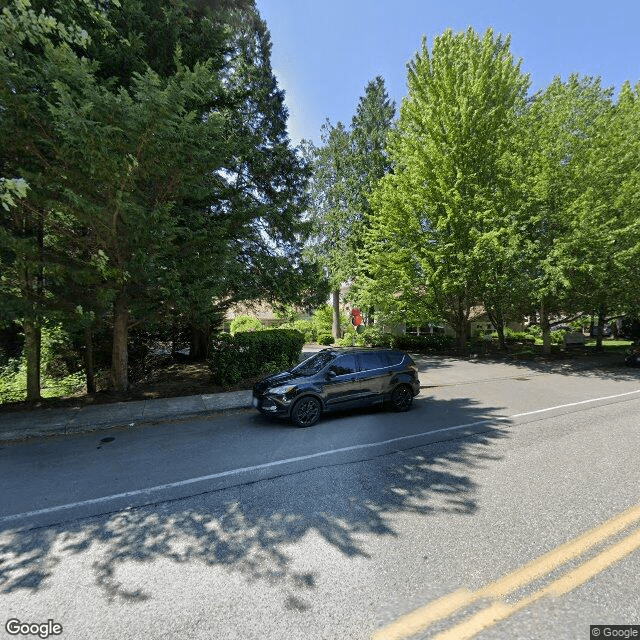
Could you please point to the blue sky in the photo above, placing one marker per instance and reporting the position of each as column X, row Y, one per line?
column 325, row 51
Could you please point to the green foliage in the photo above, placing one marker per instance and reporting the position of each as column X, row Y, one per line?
column 245, row 323
column 346, row 167
column 376, row 337
column 325, row 339
column 306, row 327
column 567, row 243
column 557, row 337
column 442, row 226
column 152, row 137
column 13, row 380
column 247, row 354
column 513, row 337
column 288, row 313
column 323, row 320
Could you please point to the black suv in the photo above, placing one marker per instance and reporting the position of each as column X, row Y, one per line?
column 334, row 379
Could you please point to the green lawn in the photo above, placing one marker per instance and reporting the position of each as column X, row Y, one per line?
column 609, row 345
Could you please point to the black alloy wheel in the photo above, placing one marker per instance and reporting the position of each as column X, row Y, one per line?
column 306, row 412
column 402, row 398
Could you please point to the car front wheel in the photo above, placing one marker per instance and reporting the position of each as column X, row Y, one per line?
column 306, row 412
column 402, row 398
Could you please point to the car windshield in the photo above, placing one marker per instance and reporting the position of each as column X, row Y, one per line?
column 314, row 364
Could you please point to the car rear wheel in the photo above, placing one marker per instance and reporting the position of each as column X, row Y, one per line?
column 402, row 398
column 306, row 412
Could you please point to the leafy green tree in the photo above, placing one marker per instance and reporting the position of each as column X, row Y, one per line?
column 451, row 187
column 602, row 247
column 561, row 137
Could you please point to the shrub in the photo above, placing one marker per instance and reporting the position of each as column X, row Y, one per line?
column 374, row 337
column 249, row 354
column 307, row 328
column 347, row 340
column 13, row 380
column 535, row 331
column 323, row 320
column 511, row 336
column 324, row 339
column 515, row 337
column 245, row 323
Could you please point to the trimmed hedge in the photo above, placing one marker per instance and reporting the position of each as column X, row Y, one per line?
column 325, row 339
column 247, row 355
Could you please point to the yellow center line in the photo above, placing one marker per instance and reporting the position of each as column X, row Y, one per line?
column 561, row 586
column 418, row 620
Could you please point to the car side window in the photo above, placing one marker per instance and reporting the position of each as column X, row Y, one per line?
column 344, row 365
column 393, row 358
column 370, row 361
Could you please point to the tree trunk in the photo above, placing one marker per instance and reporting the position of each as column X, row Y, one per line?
column 199, row 344
column 119, row 353
column 460, row 327
column 335, row 301
column 546, row 331
column 498, row 322
column 88, row 360
column 602, row 316
column 32, row 343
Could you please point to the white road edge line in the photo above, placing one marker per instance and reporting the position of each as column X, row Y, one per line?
column 266, row 465
column 575, row 404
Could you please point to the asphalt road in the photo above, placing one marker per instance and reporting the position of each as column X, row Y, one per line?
column 507, row 506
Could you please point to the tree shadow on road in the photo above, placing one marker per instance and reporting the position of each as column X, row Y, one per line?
column 253, row 529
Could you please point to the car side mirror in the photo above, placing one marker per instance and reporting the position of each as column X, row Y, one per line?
column 331, row 374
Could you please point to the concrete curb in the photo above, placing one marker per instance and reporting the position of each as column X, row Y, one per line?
column 23, row 425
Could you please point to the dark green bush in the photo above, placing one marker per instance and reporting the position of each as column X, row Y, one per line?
column 375, row 337
column 428, row 342
column 325, row 339
column 515, row 337
column 518, row 336
column 249, row 354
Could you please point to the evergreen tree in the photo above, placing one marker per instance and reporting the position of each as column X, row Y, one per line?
column 170, row 184
column 346, row 168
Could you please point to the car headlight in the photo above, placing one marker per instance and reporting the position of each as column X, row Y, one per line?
column 280, row 391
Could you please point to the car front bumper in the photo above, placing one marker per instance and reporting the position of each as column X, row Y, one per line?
column 272, row 405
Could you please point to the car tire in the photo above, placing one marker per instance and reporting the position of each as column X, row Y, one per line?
column 306, row 412
column 402, row 398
